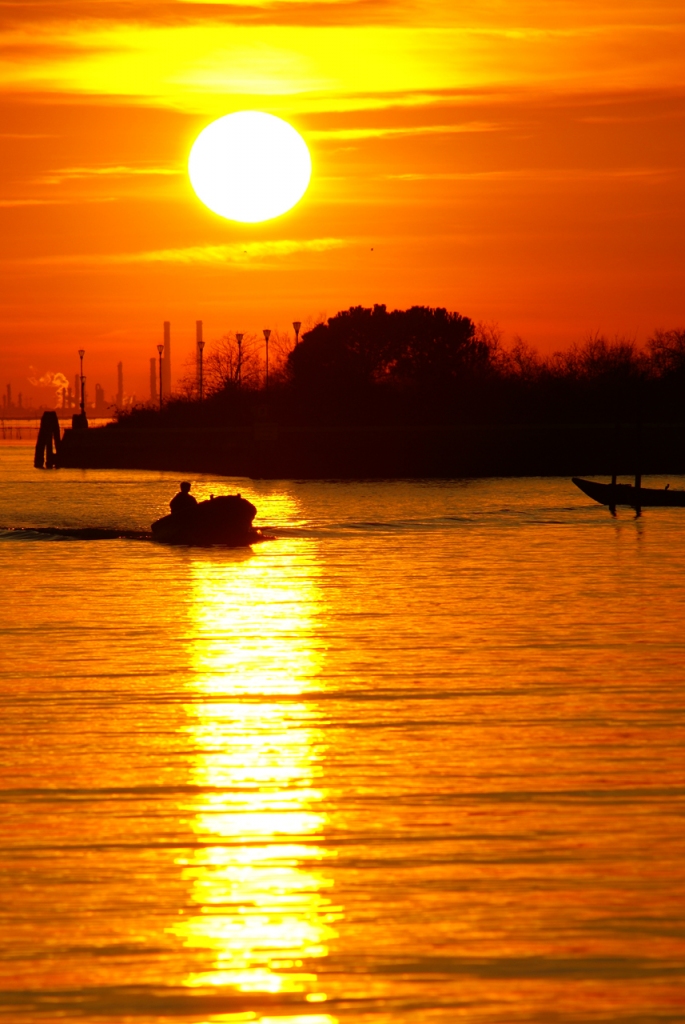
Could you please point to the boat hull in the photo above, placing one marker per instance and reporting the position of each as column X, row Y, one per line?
column 225, row 520
column 626, row 494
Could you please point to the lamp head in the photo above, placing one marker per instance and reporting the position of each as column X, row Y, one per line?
column 297, row 324
column 267, row 333
column 200, row 345
column 160, row 349
column 239, row 337
column 81, row 353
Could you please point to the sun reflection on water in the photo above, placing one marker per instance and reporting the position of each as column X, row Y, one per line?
column 260, row 897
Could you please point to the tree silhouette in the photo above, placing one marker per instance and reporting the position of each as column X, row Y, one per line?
column 417, row 347
column 428, row 367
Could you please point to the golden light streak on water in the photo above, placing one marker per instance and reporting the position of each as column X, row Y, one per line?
column 258, row 880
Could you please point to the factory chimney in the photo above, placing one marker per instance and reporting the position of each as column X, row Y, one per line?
column 120, row 385
column 198, row 350
column 166, row 361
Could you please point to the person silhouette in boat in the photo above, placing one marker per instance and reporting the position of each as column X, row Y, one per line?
column 183, row 502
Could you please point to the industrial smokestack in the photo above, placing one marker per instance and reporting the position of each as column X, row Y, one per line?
column 198, row 342
column 120, row 385
column 166, row 361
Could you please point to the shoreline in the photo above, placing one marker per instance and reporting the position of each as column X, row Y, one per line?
column 267, row 451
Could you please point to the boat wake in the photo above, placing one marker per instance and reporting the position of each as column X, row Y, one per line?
column 70, row 533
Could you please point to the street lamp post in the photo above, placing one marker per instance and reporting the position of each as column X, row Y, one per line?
column 296, row 327
column 160, row 349
column 239, row 339
column 267, row 334
column 200, row 349
column 81, row 354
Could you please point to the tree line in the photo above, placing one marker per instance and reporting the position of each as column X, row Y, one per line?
column 429, row 365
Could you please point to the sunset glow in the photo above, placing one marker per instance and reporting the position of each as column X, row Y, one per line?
column 519, row 163
column 342, row 364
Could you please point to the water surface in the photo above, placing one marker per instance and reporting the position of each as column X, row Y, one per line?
column 418, row 759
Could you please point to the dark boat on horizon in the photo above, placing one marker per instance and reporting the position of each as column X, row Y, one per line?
column 626, row 494
column 226, row 520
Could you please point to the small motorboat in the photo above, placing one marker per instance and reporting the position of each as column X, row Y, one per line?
column 224, row 520
column 625, row 494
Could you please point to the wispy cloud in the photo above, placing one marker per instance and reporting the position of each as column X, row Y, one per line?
column 9, row 203
column 300, row 57
column 247, row 254
column 185, row 12
column 121, row 171
column 570, row 174
column 432, row 129
column 233, row 253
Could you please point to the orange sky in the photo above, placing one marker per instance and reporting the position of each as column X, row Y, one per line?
column 519, row 162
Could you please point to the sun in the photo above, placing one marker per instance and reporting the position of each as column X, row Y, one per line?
column 249, row 166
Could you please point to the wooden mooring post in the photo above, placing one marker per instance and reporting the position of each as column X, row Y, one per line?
column 48, row 433
column 639, row 452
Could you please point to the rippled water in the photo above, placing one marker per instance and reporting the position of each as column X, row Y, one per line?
column 418, row 759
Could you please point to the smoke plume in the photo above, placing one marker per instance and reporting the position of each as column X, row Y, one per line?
column 51, row 380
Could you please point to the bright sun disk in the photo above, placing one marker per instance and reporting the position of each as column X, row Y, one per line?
column 249, row 166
